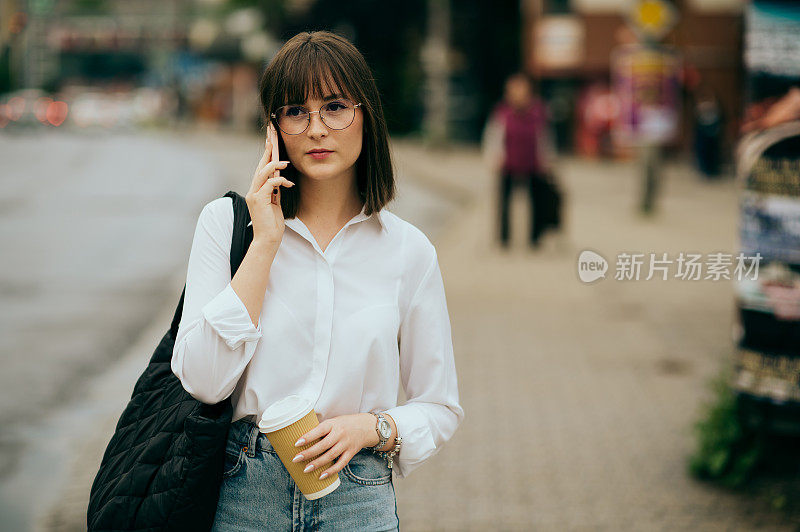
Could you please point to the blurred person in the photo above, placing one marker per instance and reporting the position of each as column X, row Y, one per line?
column 341, row 309
column 708, row 130
column 596, row 112
column 515, row 146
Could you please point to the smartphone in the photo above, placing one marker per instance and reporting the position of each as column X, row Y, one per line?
column 275, row 150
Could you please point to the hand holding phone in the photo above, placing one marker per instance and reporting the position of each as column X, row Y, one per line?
column 263, row 198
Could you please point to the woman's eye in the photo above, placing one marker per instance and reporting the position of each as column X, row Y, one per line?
column 295, row 111
column 336, row 106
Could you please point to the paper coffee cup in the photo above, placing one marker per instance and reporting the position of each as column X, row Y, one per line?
column 283, row 423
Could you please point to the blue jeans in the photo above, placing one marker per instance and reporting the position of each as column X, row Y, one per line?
column 257, row 492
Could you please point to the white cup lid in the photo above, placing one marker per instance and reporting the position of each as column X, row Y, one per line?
column 284, row 412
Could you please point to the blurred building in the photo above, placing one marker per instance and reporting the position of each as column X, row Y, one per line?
column 567, row 44
column 198, row 58
column 93, row 40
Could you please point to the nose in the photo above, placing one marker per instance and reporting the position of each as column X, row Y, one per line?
column 316, row 128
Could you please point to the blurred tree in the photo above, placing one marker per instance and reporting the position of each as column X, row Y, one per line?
column 389, row 38
column 484, row 43
column 87, row 7
column 274, row 11
column 486, row 40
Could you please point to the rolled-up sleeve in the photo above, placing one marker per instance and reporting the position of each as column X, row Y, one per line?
column 216, row 338
column 432, row 412
column 229, row 318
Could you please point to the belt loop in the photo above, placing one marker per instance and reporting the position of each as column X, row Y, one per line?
column 253, row 439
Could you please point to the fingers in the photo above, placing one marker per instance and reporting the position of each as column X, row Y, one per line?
column 271, row 190
column 326, row 458
column 261, row 176
column 323, row 430
column 317, row 432
column 321, row 446
column 267, row 172
column 272, row 184
column 332, row 444
column 270, row 153
column 266, row 157
column 343, row 460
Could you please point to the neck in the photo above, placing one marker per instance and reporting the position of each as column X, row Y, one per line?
column 330, row 201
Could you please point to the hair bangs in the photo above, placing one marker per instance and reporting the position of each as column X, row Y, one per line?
column 315, row 76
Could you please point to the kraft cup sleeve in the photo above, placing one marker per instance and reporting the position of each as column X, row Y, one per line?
column 283, row 440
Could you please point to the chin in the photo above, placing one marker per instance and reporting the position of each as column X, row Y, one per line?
column 320, row 174
column 324, row 171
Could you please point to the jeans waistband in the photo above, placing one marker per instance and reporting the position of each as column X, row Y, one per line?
column 246, row 433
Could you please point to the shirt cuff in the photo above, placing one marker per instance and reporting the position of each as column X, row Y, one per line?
column 229, row 317
column 418, row 444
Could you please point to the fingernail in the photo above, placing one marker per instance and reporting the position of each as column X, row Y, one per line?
column 308, row 468
column 323, row 475
column 297, row 458
column 301, row 441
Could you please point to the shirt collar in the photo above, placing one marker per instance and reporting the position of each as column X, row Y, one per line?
column 378, row 215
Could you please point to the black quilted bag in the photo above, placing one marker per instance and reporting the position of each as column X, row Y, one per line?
column 163, row 467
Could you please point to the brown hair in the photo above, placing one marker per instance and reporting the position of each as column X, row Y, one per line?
column 298, row 71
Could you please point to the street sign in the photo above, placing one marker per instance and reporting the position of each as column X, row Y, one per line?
column 652, row 19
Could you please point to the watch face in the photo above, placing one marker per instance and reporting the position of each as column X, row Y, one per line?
column 385, row 428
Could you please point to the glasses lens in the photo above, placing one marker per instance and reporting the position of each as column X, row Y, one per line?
column 338, row 114
column 292, row 119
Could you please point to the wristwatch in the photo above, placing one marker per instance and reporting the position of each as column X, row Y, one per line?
column 384, row 430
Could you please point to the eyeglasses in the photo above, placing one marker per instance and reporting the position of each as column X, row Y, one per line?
column 336, row 114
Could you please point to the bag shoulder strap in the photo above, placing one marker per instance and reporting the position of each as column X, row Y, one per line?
column 240, row 242
column 242, row 233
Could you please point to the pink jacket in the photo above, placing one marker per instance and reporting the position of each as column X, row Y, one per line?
column 523, row 135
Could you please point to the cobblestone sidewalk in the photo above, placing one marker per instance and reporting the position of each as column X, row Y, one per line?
column 579, row 399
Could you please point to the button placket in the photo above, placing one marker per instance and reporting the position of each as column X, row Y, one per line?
column 322, row 327
column 323, row 321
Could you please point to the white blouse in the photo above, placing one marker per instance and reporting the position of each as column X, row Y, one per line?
column 342, row 327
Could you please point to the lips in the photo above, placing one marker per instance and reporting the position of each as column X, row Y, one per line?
column 319, row 151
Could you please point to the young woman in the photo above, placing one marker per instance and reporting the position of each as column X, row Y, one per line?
column 341, row 308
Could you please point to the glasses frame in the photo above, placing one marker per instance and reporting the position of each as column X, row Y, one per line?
column 318, row 111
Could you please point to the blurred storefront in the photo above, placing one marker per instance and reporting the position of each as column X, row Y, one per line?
column 767, row 359
column 568, row 46
column 118, row 63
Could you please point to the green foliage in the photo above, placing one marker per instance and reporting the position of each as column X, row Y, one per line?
column 728, row 452
column 87, row 7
